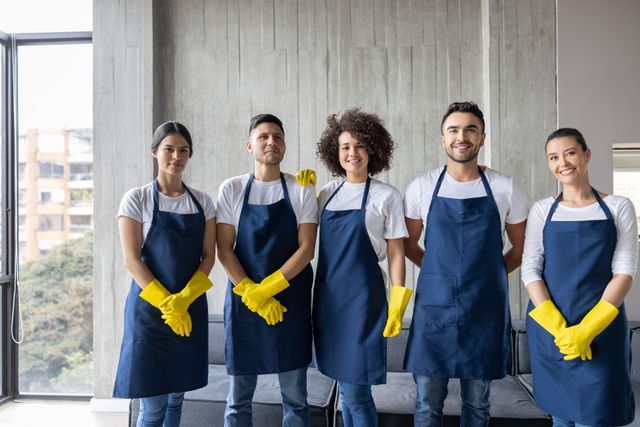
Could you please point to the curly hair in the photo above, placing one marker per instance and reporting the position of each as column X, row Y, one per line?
column 368, row 129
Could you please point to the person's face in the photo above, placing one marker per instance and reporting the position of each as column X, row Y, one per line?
column 172, row 154
column 462, row 136
column 566, row 160
column 266, row 143
column 353, row 155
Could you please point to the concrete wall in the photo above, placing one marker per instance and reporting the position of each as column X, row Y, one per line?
column 213, row 64
column 598, row 84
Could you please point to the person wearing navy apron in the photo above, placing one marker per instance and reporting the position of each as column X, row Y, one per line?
column 167, row 231
column 361, row 224
column 266, row 229
column 579, row 262
column 461, row 321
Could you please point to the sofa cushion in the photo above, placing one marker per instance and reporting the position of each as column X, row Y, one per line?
column 520, row 348
column 205, row 406
column 396, row 346
column 216, row 339
column 635, row 355
column 395, row 402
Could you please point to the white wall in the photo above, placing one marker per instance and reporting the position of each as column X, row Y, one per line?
column 599, row 84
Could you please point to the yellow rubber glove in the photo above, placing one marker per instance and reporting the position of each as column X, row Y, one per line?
column 271, row 311
column 578, row 338
column 305, row 177
column 549, row 317
column 256, row 295
column 155, row 293
column 398, row 301
column 181, row 325
column 177, row 304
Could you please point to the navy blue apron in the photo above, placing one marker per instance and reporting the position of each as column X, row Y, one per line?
column 153, row 359
column 267, row 237
column 461, row 321
column 577, row 269
column 349, row 300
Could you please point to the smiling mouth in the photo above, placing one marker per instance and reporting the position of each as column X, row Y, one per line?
column 565, row 172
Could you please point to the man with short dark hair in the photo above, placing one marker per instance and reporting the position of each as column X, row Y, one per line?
column 461, row 319
column 266, row 237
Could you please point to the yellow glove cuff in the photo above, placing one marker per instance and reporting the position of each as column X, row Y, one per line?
column 242, row 286
column 600, row 316
column 399, row 298
column 274, row 283
column 199, row 283
column 547, row 315
column 154, row 293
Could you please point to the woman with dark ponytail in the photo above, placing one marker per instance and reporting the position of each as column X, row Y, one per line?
column 167, row 232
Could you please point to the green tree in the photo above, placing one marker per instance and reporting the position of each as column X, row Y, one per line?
column 56, row 299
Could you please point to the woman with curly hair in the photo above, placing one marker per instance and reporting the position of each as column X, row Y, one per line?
column 361, row 224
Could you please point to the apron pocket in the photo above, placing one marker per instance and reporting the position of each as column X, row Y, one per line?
column 436, row 300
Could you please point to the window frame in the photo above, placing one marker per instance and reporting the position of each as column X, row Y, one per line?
column 9, row 44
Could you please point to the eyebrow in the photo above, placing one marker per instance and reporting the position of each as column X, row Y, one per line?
column 178, row 146
column 568, row 149
column 472, row 126
column 270, row 133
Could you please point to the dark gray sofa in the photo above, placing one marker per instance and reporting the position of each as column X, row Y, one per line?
column 205, row 407
column 511, row 404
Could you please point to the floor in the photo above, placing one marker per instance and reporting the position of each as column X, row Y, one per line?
column 31, row 413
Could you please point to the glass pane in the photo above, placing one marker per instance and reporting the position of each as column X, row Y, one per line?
column 3, row 191
column 626, row 182
column 39, row 16
column 55, row 218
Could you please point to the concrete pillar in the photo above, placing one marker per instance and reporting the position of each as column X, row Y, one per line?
column 123, row 110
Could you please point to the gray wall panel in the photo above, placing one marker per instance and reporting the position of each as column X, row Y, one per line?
column 213, row 64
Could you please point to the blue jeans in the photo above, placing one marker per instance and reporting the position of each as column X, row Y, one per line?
column 293, row 387
column 561, row 422
column 431, row 393
column 358, row 408
column 162, row 410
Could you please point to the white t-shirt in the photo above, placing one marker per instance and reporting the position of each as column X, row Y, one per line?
column 231, row 197
column 384, row 216
column 625, row 254
column 512, row 202
column 137, row 204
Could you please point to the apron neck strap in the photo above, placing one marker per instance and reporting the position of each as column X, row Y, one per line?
column 485, row 183
column 601, row 202
column 603, row 205
column 156, row 205
column 333, row 194
column 285, row 191
column 365, row 194
column 155, row 196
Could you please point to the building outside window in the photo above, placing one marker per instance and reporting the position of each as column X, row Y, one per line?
column 626, row 173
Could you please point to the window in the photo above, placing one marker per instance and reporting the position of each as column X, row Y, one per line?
column 81, row 197
column 22, row 172
column 4, row 218
column 80, row 223
column 51, row 195
column 50, row 170
column 626, row 173
column 80, row 172
column 56, row 246
column 50, row 222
